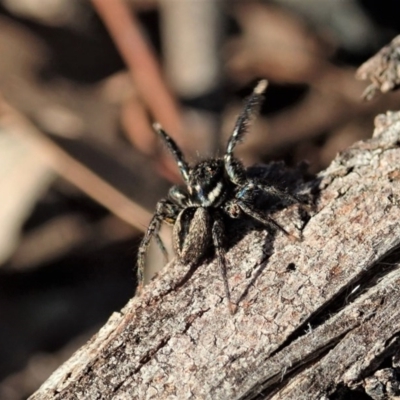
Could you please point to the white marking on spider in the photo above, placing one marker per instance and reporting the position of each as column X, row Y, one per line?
column 213, row 195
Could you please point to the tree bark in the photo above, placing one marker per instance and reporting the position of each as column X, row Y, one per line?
column 314, row 319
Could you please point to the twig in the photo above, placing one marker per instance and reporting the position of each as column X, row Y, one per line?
column 71, row 169
column 124, row 29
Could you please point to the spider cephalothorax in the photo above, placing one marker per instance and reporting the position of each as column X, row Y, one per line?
column 213, row 189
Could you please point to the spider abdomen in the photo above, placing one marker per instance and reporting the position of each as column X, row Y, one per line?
column 191, row 234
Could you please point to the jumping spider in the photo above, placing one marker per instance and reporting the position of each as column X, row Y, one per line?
column 214, row 188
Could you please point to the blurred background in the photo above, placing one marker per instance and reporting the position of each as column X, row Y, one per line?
column 81, row 169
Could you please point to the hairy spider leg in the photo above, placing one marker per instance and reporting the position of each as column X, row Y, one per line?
column 165, row 211
column 286, row 197
column 179, row 196
column 163, row 249
column 268, row 190
column 174, row 149
column 265, row 220
column 233, row 167
column 217, row 236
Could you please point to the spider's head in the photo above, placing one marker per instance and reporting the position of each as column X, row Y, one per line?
column 207, row 183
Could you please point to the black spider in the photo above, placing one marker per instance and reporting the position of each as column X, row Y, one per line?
column 213, row 188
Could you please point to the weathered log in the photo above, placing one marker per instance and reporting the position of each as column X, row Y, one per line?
column 314, row 317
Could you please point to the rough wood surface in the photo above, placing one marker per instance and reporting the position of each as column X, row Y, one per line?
column 382, row 70
column 314, row 317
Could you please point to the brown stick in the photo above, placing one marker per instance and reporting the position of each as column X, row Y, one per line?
column 124, row 29
column 16, row 124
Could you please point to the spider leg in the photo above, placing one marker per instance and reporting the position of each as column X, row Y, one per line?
column 264, row 219
column 252, row 105
column 282, row 195
column 268, row 190
column 179, row 196
column 165, row 211
column 163, row 249
column 218, row 236
column 174, row 149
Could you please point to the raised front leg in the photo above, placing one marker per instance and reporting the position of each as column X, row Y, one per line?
column 175, row 151
column 232, row 166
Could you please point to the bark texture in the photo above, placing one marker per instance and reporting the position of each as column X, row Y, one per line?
column 382, row 70
column 315, row 318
